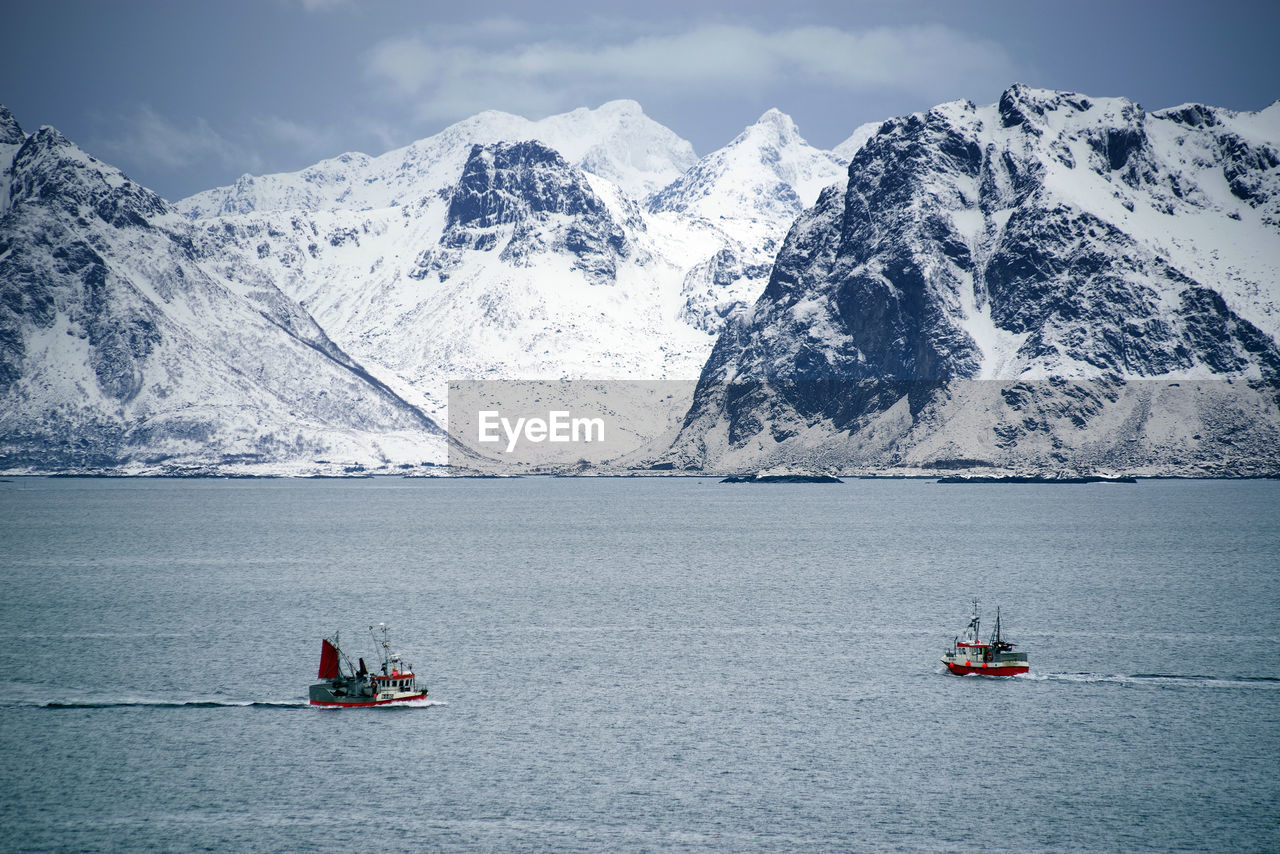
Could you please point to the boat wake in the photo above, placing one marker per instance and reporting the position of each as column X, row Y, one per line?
column 169, row 704
column 1161, row 679
column 388, row 707
column 201, row 704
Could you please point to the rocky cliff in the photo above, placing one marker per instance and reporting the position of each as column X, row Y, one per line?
column 120, row 351
column 1051, row 282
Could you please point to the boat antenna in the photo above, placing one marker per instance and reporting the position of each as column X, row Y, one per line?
column 385, row 651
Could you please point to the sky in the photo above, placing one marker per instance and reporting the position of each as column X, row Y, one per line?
column 185, row 95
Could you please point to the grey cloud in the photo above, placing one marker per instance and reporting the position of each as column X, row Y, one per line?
column 448, row 79
column 150, row 137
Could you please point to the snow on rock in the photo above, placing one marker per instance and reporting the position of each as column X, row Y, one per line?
column 509, row 249
column 1052, row 281
column 11, row 139
column 747, row 194
column 616, row 141
column 846, row 150
column 120, row 351
column 528, row 267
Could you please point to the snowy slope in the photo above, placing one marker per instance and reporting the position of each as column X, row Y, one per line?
column 767, row 172
column 581, row 280
column 1053, row 281
column 743, row 197
column 569, row 285
column 120, row 351
column 617, row 142
column 848, row 149
column 1050, row 282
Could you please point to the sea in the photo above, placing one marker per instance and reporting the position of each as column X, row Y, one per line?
column 639, row 664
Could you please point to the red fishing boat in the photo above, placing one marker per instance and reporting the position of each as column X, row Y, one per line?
column 344, row 684
column 970, row 655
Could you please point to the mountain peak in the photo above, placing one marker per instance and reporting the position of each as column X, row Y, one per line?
column 1062, row 250
column 779, row 127
column 47, row 142
column 10, row 131
column 505, row 182
column 621, row 107
column 615, row 141
column 1025, row 105
column 768, row 169
column 52, row 168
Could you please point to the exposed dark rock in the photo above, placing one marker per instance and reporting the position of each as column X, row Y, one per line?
column 1067, row 480
column 543, row 202
column 861, row 346
column 781, row 478
column 10, row 131
column 118, row 349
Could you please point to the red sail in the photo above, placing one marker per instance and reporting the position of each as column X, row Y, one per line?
column 328, row 660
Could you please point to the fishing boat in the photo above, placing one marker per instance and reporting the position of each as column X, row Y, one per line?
column 345, row 684
column 995, row 657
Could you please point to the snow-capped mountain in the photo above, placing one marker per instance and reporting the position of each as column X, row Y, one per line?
column 617, row 142
column 119, row 350
column 1050, row 282
column 848, row 149
column 746, row 194
column 768, row 172
column 502, row 248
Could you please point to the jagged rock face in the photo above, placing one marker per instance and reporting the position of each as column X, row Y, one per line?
column 1048, row 237
column 713, row 289
column 509, row 182
column 119, row 350
column 38, row 262
column 10, row 131
column 547, row 204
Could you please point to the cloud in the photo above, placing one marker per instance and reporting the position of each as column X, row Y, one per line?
column 448, row 78
column 305, row 139
column 149, row 137
column 324, row 5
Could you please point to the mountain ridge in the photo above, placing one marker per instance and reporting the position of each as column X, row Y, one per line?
column 625, row 146
column 118, row 350
column 611, row 290
column 1050, row 282
column 1053, row 244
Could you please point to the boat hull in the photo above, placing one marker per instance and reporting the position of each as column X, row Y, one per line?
column 349, row 695
column 349, row 704
column 985, row 669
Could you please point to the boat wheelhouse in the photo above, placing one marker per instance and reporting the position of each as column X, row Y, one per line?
column 345, row 684
column 996, row 657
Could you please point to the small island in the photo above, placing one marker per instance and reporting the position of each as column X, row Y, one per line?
column 781, row 478
column 1035, row 479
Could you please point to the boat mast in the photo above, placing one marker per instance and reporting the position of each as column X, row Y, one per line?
column 342, row 655
column 385, row 644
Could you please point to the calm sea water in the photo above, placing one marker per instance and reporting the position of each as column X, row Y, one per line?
column 639, row 665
